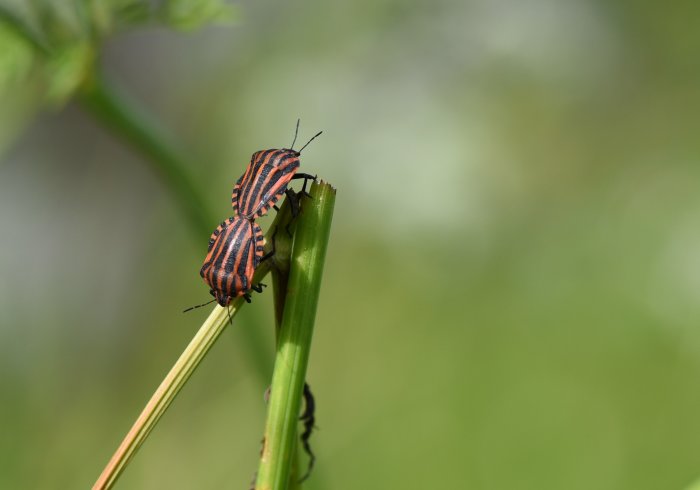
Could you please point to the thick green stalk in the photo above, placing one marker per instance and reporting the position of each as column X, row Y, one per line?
column 122, row 116
column 294, row 342
column 280, row 279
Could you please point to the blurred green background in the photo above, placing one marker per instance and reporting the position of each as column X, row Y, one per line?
column 512, row 293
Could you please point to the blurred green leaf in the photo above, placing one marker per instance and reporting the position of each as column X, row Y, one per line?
column 188, row 14
column 15, row 57
column 16, row 24
column 57, row 42
column 67, row 70
column 129, row 13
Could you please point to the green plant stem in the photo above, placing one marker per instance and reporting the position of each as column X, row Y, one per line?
column 179, row 374
column 294, row 342
column 165, row 394
column 121, row 115
column 280, row 279
column 22, row 29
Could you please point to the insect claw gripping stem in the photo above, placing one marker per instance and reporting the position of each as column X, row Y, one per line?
column 258, row 288
column 303, row 187
column 293, row 202
column 307, row 178
column 295, row 205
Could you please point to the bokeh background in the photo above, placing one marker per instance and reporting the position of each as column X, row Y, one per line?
column 512, row 293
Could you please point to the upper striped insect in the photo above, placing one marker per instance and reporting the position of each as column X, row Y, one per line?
column 266, row 179
column 235, row 250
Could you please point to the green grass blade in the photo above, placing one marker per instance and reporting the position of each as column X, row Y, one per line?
column 165, row 394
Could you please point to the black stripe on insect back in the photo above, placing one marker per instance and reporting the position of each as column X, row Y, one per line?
column 260, row 176
column 257, row 165
column 219, row 255
column 274, row 171
column 264, row 174
column 225, row 278
column 233, row 246
column 249, row 259
column 243, row 264
column 233, row 234
column 219, row 242
column 285, row 167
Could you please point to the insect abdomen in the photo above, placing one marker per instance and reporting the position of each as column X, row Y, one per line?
column 234, row 252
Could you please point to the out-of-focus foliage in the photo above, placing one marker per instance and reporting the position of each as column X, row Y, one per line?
column 511, row 297
column 186, row 14
column 57, row 41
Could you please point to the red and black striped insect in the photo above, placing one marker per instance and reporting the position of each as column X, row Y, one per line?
column 267, row 178
column 235, row 250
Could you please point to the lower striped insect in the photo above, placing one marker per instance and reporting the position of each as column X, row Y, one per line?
column 235, row 250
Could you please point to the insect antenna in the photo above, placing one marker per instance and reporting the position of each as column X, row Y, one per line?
column 198, row 306
column 295, row 135
column 307, row 143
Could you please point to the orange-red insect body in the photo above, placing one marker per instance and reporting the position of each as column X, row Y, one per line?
column 235, row 250
column 266, row 179
column 236, row 246
column 264, row 182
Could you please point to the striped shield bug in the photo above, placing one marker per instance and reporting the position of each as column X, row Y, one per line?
column 235, row 250
column 267, row 178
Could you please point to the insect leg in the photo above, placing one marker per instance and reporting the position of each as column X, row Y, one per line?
column 295, row 204
column 306, row 177
column 309, row 419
